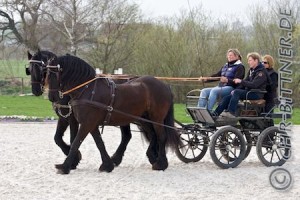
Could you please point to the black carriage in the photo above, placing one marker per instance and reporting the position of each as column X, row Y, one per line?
column 229, row 140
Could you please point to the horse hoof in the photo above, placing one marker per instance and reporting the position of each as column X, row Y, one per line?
column 152, row 158
column 156, row 166
column 76, row 161
column 61, row 169
column 73, row 167
column 116, row 160
column 79, row 156
column 106, row 168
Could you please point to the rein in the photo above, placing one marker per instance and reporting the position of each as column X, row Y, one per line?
column 110, row 109
column 79, row 86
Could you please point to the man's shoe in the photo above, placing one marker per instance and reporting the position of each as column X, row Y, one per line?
column 227, row 115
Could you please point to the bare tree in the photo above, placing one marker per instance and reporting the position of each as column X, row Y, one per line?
column 73, row 19
column 19, row 22
column 113, row 41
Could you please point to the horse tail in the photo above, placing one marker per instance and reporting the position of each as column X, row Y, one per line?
column 146, row 129
column 173, row 138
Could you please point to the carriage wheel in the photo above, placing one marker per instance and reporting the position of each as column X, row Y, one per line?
column 227, row 147
column 194, row 145
column 273, row 147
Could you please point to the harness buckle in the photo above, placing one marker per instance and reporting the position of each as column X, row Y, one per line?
column 110, row 108
column 61, row 94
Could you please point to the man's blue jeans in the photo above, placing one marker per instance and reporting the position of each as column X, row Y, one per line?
column 208, row 96
column 230, row 102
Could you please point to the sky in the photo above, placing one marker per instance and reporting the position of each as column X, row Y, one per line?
column 219, row 8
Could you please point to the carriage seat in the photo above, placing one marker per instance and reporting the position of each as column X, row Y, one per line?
column 253, row 107
column 259, row 102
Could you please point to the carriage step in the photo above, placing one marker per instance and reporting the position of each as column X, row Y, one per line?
column 200, row 115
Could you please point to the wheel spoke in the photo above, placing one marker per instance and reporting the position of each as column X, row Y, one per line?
column 186, row 151
column 233, row 154
column 200, row 149
column 266, row 153
column 184, row 145
column 278, row 156
column 272, row 157
column 220, row 157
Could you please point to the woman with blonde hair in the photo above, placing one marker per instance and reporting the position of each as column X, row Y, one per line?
column 271, row 94
column 232, row 69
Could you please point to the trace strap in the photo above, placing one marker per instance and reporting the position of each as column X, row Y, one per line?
column 103, row 106
column 79, row 86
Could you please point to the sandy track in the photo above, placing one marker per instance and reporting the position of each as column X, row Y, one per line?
column 28, row 154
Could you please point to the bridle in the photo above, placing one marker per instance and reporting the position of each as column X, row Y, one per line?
column 55, row 69
column 57, row 72
column 42, row 67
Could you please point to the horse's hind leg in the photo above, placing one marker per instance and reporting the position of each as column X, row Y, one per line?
column 152, row 151
column 162, row 161
column 81, row 135
column 107, row 164
column 149, row 133
column 126, row 136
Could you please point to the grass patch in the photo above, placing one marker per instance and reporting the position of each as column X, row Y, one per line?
column 13, row 68
column 33, row 106
column 181, row 114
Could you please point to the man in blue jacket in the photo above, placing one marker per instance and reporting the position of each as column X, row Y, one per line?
column 256, row 79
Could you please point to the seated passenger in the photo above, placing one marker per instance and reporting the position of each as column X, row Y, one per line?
column 231, row 70
column 271, row 94
column 256, row 79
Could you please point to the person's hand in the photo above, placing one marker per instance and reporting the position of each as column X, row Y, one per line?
column 224, row 79
column 237, row 80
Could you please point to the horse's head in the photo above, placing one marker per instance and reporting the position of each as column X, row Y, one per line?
column 53, row 79
column 37, row 70
column 66, row 72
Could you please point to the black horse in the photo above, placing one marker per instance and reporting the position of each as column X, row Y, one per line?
column 96, row 101
column 37, row 70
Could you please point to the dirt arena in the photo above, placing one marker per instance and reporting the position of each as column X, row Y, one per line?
column 28, row 155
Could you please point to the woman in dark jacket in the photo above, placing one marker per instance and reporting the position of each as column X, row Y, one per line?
column 271, row 94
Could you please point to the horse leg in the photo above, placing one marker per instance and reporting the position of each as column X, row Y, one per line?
column 81, row 135
column 73, row 132
column 61, row 127
column 152, row 151
column 126, row 136
column 162, row 161
column 149, row 133
column 107, row 164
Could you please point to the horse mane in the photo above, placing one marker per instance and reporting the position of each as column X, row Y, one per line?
column 44, row 55
column 75, row 70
